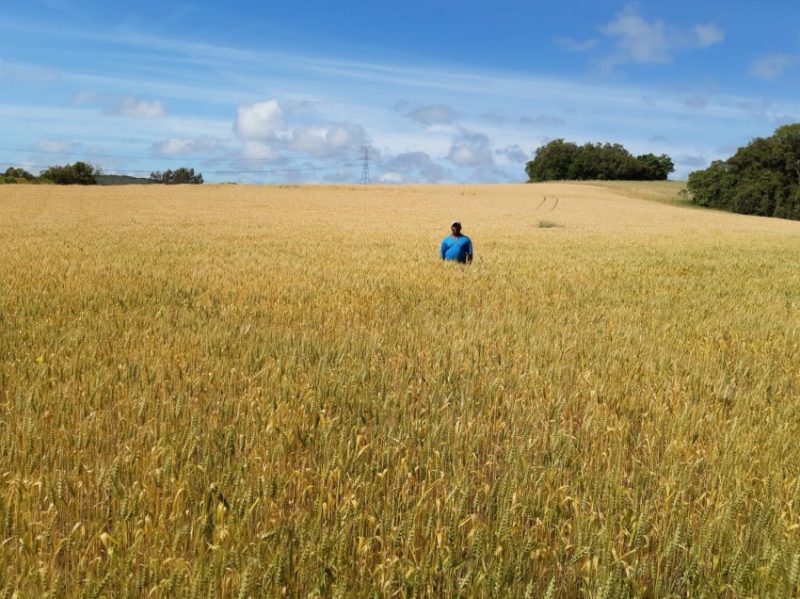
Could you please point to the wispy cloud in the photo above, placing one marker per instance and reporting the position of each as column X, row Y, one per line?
column 773, row 65
column 184, row 147
column 139, row 109
column 428, row 115
column 708, row 35
column 461, row 123
column 55, row 146
column 641, row 41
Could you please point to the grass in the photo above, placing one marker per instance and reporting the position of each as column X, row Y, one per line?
column 232, row 391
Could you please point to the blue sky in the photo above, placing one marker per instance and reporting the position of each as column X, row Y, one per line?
column 443, row 91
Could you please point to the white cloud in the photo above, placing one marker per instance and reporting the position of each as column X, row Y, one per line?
column 85, row 97
column 640, row 41
column 708, row 35
column 437, row 114
column 258, row 150
column 139, row 109
column 774, row 65
column 413, row 166
column 514, row 154
column 471, row 148
column 390, row 177
column 259, row 121
column 55, row 146
column 178, row 147
column 328, row 141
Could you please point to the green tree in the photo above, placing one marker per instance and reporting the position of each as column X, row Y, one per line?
column 180, row 175
column 560, row 159
column 653, row 168
column 552, row 161
column 761, row 178
column 16, row 175
column 79, row 173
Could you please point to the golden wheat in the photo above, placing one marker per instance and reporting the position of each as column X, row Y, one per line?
column 226, row 391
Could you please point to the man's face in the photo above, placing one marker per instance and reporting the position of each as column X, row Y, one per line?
column 456, row 229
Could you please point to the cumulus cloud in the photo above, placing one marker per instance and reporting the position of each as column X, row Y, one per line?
column 773, row 65
column 640, row 41
column 328, row 141
column 180, row 147
column 139, row 109
column 259, row 150
column 413, row 166
column 259, row 121
column 471, row 148
column 513, row 154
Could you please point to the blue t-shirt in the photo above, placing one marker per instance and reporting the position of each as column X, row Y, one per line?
column 456, row 248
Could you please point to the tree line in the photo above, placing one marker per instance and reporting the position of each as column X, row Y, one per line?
column 82, row 173
column 565, row 160
column 180, row 175
column 761, row 178
column 79, row 173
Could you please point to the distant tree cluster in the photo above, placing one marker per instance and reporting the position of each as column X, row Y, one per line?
column 762, row 178
column 82, row 173
column 79, row 173
column 17, row 175
column 178, row 176
column 564, row 160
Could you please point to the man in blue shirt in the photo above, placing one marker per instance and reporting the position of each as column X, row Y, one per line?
column 456, row 247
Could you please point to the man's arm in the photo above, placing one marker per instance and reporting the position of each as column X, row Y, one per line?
column 443, row 248
column 469, row 253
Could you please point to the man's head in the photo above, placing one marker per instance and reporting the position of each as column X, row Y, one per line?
column 455, row 227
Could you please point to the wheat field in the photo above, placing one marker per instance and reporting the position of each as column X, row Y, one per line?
column 229, row 391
